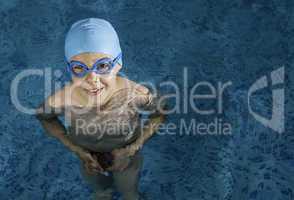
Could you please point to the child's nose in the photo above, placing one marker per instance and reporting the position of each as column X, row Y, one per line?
column 93, row 78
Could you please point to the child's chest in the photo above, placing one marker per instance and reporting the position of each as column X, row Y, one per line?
column 116, row 118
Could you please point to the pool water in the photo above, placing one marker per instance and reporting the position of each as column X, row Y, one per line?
column 215, row 41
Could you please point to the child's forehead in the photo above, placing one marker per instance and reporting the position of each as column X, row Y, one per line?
column 89, row 57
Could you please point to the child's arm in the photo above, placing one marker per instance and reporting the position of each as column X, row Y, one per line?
column 146, row 101
column 47, row 114
column 157, row 106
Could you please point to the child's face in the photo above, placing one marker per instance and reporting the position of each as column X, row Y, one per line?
column 95, row 84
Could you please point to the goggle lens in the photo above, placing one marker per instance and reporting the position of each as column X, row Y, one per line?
column 103, row 68
column 77, row 69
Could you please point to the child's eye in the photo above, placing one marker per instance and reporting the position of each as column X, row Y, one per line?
column 78, row 69
column 104, row 66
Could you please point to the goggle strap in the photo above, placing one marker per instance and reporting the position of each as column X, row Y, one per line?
column 117, row 58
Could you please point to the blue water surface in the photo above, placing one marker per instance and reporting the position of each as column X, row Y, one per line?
column 217, row 41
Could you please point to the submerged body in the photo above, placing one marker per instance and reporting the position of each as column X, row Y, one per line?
column 104, row 128
column 112, row 124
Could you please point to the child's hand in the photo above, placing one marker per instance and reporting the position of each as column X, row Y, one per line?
column 121, row 158
column 90, row 162
column 119, row 164
column 127, row 151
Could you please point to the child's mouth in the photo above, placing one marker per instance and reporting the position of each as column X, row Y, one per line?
column 95, row 91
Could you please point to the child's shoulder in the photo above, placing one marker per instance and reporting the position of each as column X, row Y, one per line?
column 59, row 98
column 139, row 88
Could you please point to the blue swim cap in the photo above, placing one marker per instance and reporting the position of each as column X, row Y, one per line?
column 92, row 35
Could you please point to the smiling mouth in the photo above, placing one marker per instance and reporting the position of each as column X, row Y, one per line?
column 95, row 91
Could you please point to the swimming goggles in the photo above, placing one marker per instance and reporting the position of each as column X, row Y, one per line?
column 101, row 66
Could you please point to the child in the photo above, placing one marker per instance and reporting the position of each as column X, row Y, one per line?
column 102, row 110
